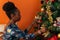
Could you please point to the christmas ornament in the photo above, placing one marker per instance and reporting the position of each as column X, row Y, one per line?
column 55, row 23
column 42, row 9
column 59, row 35
column 37, row 17
column 54, row 37
column 58, row 21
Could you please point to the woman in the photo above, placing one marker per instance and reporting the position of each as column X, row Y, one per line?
column 12, row 32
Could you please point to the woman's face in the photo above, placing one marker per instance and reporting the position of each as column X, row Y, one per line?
column 17, row 15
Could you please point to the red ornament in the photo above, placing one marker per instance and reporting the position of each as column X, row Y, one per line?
column 54, row 37
column 46, row 1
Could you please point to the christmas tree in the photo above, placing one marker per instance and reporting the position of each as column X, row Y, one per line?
column 49, row 18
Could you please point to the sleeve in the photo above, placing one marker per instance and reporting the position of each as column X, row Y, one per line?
column 19, row 33
column 29, row 36
column 22, row 34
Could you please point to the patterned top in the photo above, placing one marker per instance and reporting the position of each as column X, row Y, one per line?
column 13, row 33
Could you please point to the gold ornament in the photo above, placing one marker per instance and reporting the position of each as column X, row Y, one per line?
column 42, row 9
column 59, row 35
column 49, row 14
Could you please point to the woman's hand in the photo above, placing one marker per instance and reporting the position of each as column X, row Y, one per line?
column 37, row 32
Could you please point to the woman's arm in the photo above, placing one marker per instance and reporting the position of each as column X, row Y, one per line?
column 29, row 27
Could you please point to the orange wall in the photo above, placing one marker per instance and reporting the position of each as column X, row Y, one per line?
column 28, row 9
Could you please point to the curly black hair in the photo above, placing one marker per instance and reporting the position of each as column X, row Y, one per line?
column 9, row 8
